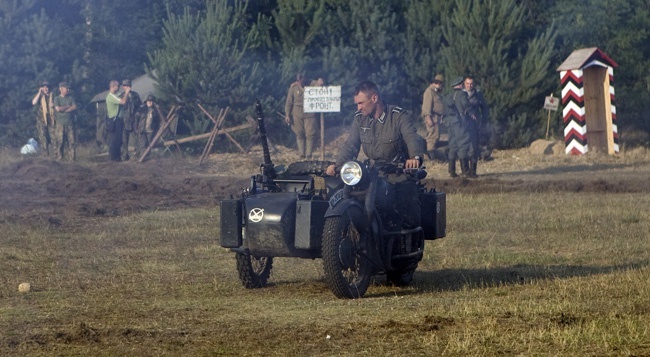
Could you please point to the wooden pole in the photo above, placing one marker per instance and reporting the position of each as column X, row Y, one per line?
column 223, row 132
column 215, row 130
column 172, row 133
column 548, row 120
column 322, row 137
column 207, row 135
column 168, row 121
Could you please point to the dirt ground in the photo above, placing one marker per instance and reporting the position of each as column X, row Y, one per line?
column 51, row 193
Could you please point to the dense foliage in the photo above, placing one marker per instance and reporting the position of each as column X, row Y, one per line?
column 228, row 53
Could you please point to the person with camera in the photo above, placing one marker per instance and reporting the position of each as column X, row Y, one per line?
column 44, row 116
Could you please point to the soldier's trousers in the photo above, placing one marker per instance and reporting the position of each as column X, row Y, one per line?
column 459, row 140
column 305, row 129
column 474, row 148
column 65, row 135
column 126, row 136
column 43, row 136
column 433, row 133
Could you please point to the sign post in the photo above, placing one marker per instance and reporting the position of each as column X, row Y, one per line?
column 322, row 100
column 550, row 103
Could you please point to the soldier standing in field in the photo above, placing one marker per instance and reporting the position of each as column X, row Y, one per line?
column 478, row 115
column 65, row 109
column 455, row 118
column 130, row 117
column 148, row 124
column 302, row 124
column 44, row 116
column 432, row 111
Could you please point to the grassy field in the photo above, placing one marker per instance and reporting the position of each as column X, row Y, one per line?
column 518, row 274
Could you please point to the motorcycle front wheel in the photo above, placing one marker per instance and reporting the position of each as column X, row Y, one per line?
column 345, row 261
column 254, row 272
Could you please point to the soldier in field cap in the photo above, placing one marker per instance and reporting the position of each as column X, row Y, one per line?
column 130, row 107
column 432, row 110
column 65, row 109
column 43, row 99
column 455, row 118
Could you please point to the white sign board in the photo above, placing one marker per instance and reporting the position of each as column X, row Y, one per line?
column 551, row 103
column 322, row 99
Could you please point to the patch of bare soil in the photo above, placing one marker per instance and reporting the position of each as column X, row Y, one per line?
column 51, row 193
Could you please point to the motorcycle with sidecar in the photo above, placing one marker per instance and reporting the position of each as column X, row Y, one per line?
column 350, row 222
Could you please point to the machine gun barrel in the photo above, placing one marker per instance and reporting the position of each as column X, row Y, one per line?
column 267, row 167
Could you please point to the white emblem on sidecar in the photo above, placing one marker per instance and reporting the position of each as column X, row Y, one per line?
column 256, row 214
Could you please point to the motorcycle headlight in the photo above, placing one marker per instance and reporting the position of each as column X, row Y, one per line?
column 351, row 173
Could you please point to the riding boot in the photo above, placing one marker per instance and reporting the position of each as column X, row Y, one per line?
column 472, row 169
column 452, row 168
column 464, row 167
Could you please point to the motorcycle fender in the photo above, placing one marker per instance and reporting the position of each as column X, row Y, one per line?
column 343, row 206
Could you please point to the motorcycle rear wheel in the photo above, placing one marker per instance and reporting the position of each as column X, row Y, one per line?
column 345, row 262
column 254, row 272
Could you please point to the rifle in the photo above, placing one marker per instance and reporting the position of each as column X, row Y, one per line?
column 266, row 168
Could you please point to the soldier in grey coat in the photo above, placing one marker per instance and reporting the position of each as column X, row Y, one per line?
column 478, row 116
column 386, row 133
column 456, row 104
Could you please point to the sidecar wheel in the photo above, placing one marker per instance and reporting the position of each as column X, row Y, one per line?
column 253, row 271
column 345, row 262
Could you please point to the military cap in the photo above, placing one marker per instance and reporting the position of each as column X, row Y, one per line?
column 64, row 85
column 457, row 81
column 439, row 78
column 44, row 84
column 150, row 98
column 126, row 82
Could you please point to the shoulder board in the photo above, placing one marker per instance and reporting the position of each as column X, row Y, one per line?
column 397, row 110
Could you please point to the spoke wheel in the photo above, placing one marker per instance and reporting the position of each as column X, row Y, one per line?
column 345, row 263
column 254, row 272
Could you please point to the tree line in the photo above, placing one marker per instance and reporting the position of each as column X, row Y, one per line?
column 230, row 52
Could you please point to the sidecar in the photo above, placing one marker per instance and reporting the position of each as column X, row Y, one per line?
column 284, row 219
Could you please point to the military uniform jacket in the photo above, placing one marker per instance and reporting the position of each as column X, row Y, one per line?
column 456, row 106
column 432, row 103
column 477, row 105
column 63, row 118
column 392, row 134
column 294, row 105
column 131, row 108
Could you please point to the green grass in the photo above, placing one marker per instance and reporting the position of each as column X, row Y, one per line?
column 518, row 274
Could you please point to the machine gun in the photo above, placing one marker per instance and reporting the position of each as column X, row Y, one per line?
column 267, row 169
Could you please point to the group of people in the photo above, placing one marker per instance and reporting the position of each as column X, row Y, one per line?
column 463, row 112
column 126, row 115
column 55, row 121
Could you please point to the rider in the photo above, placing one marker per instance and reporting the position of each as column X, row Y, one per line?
column 385, row 132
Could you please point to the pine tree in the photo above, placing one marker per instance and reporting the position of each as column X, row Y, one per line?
column 204, row 59
column 27, row 57
column 424, row 21
column 490, row 41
